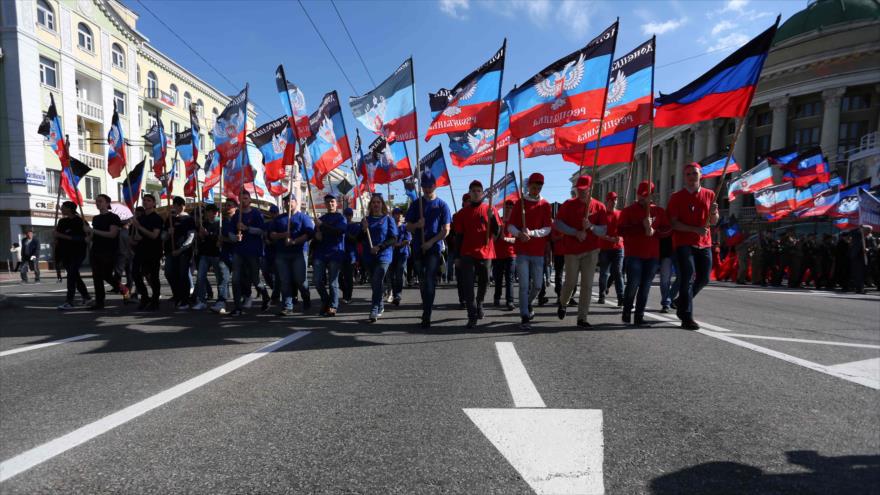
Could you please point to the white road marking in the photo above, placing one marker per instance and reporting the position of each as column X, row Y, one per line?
column 867, row 370
column 613, row 303
column 804, row 341
column 43, row 453
column 47, row 344
column 521, row 387
column 793, row 292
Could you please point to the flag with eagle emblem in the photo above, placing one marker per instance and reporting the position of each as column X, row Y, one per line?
column 389, row 110
column 568, row 90
column 474, row 147
column 434, row 165
column 275, row 141
column 327, row 147
column 229, row 129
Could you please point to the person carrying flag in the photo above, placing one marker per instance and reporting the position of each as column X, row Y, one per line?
column 530, row 223
column 611, row 253
column 583, row 222
column 641, row 231
column 104, row 234
column 504, row 263
column 377, row 256
column 209, row 257
column 329, row 246
column 147, row 253
column 248, row 236
column 453, row 262
column 691, row 210
column 346, row 270
column 70, row 250
column 401, row 255
column 428, row 232
column 179, row 235
column 290, row 233
column 476, row 248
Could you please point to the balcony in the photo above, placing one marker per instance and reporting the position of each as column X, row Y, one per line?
column 93, row 161
column 158, row 97
column 89, row 110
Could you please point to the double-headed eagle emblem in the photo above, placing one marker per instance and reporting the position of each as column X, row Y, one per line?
column 481, row 139
column 463, row 94
column 113, row 137
column 558, row 83
column 230, row 128
column 326, row 133
column 376, row 113
column 279, row 143
column 616, row 89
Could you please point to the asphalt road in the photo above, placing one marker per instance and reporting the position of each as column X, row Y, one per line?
column 779, row 393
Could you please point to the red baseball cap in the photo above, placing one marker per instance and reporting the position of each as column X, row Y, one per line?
column 645, row 188
column 611, row 195
column 583, row 182
column 537, row 178
column 694, row 165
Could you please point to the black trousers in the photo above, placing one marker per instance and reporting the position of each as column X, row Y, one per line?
column 146, row 267
column 103, row 270
column 470, row 269
column 502, row 272
column 346, row 279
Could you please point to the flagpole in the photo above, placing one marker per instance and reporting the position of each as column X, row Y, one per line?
column 60, row 177
column 79, row 196
column 168, row 188
column 412, row 71
column 222, row 173
column 650, row 138
column 308, row 183
column 599, row 134
column 360, row 199
column 494, row 150
column 522, row 199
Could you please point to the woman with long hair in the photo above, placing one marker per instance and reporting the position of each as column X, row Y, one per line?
column 378, row 249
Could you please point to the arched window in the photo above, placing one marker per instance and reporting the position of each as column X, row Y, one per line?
column 174, row 94
column 84, row 39
column 45, row 15
column 117, row 56
column 187, row 100
column 152, row 82
column 200, row 107
column 138, row 67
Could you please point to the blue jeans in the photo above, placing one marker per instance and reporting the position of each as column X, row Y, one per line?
column 245, row 272
column 611, row 264
column 291, row 269
column 426, row 265
column 221, row 271
column 377, row 283
column 530, row 271
column 668, row 289
column 694, row 266
column 639, row 275
column 319, row 267
column 398, row 274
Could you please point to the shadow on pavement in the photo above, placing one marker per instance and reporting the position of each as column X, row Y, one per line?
column 853, row 475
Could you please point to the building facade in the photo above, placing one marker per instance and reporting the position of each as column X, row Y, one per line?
column 89, row 55
column 820, row 86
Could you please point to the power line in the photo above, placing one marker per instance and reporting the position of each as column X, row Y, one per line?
column 318, row 32
column 333, row 3
column 694, row 56
column 234, row 86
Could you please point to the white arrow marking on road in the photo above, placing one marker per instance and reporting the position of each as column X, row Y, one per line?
column 47, row 344
column 556, row 451
column 48, row 450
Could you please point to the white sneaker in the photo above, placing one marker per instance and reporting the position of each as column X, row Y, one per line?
column 86, row 302
column 200, row 306
column 219, row 307
column 66, row 306
column 248, row 302
column 182, row 307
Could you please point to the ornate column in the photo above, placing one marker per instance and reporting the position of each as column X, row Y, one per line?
column 831, row 123
column 740, row 155
column 681, row 145
column 665, row 162
column 712, row 145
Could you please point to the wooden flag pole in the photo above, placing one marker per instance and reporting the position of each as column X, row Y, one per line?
column 628, row 186
column 168, row 195
column 522, row 199
column 220, row 196
column 418, row 159
column 360, row 199
column 60, row 177
column 599, row 132
column 650, row 166
column 494, row 150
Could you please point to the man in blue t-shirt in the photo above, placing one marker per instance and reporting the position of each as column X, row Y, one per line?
column 289, row 234
column 428, row 232
column 329, row 253
column 248, row 234
column 346, row 271
column 401, row 255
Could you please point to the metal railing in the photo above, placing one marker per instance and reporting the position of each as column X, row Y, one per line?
column 96, row 162
column 88, row 109
column 160, row 96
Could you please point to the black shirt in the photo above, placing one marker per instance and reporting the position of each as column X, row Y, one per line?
column 208, row 245
column 150, row 247
column 183, row 225
column 105, row 245
column 76, row 248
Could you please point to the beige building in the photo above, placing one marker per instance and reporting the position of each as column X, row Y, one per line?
column 820, row 86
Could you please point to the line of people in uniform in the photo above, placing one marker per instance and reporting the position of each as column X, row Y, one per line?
column 245, row 250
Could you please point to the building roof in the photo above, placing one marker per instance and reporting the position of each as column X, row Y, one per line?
column 821, row 14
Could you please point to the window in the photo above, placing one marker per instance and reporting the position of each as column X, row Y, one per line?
column 201, row 142
column 117, row 56
column 119, row 100
column 151, row 120
column 808, row 136
column 84, row 38
column 45, row 15
column 53, row 177
column 174, row 93
column 731, row 127
column 48, row 72
column 762, row 146
column 175, row 128
column 807, row 109
column 764, row 118
column 152, row 82
column 141, row 117
column 187, row 100
column 855, row 102
column 850, row 135
column 138, row 67
column 200, row 108
column 93, row 187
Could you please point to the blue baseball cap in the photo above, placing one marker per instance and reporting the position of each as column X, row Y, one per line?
column 396, row 211
column 273, row 209
column 428, row 181
column 348, row 212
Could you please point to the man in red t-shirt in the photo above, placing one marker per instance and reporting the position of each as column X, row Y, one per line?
column 691, row 211
column 530, row 224
column 476, row 248
column 641, row 233
column 505, row 257
column 611, row 253
column 453, row 247
column 580, row 245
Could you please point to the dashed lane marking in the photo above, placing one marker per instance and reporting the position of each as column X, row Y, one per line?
column 47, row 344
